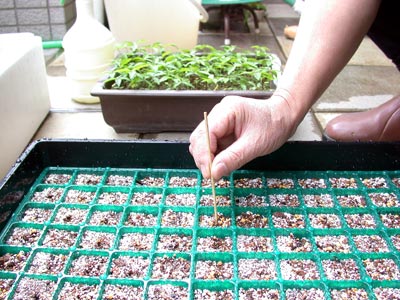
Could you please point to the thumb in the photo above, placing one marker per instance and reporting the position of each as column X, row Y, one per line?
column 232, row 158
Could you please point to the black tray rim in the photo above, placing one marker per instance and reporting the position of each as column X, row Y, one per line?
column 364, row 155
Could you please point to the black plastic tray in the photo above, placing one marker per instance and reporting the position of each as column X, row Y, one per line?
column 294, row 160
column 313, row 156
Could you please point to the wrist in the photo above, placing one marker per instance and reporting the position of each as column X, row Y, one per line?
column 294, row 111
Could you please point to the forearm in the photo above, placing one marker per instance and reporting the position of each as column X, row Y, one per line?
column 329, row 33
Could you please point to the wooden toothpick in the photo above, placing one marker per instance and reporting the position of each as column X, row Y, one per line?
column 209, row 167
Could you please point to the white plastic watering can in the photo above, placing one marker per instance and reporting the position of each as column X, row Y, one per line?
column 165, row 21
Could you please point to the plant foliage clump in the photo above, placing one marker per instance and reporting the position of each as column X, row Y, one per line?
column 154, row 67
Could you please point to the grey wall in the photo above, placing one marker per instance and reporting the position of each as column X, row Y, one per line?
column 45, row 18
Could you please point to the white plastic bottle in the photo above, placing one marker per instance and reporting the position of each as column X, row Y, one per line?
column 88, row 49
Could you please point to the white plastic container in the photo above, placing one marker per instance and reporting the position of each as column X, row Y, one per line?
column 165, row 21
column 89, row 50
column 24, row 96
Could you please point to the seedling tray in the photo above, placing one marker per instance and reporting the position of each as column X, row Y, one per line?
column 133, row 220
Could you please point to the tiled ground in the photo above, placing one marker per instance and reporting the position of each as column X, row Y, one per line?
column 368, row 80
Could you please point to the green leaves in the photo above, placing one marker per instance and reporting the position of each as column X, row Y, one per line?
column 154, row 67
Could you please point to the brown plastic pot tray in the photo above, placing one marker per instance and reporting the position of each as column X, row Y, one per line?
column 144, row 111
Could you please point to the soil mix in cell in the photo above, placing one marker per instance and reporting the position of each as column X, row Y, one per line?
column 299, row 270
column 345, row 269
column 75, row 291
column 57, row 179
column 119, row 180
column 48, row 263
column 96, row 240
column 34, row 289
column 322, row 200
column 88, row 265
column 288, row 220
column 209, row 221
column 257, row 269
column 146, row 198
column 24, row 236
column 48, row 195
column 180, row 199
column 332, row 243
column 177, row 181
column 170, row 268
column 109, row 218
column 141, row 220
column 214, row 244
column 58, row 238
column 352, row 201
column 251, row 220
column 129, row 267
column 136, row 242
column 78, row 196
column 122, row 292
column 250, row 243
column 213, row 295
column 351, row 293
column 167, row 292
column 248, row 183
column 297, row 294
column 251, row 200
column 278, row 183
column 151, row 181
column 13, row 262
column 174, row 242
column 172, row 218
column 292, row 243
column 116, row 198
column 370, row 243
column 312, row 183
column 70, row 216
column 324, row 221
column 214, row 270
column 36, row 215
column 88, row 179
column 208, row 200
column 253, row 293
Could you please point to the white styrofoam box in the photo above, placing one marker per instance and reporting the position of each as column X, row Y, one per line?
column 24, row 95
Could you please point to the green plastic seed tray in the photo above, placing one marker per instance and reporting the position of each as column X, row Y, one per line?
column 135, row 220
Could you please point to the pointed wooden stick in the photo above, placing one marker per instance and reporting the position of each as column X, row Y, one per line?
column 209, row 166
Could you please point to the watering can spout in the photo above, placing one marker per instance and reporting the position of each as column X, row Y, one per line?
column 202, row 11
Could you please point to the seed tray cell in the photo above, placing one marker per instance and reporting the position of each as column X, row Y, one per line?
column 112, row 228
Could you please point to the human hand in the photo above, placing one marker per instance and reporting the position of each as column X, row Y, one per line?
column 241, row 129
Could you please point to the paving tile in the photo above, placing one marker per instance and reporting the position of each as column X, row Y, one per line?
column 308, row 130
column 90, row 125
column 281, row 11
column 279, row 24
column 368, row 54
column 354, row 103
column 167, row 136
column 358, row 88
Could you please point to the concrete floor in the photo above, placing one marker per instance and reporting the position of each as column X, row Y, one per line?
column 368, row 80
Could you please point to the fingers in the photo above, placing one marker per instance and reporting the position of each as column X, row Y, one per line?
column 233, row 157
column 217, row 120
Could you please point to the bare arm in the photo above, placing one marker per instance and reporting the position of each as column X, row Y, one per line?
column 329, row 33
column 242, row 129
